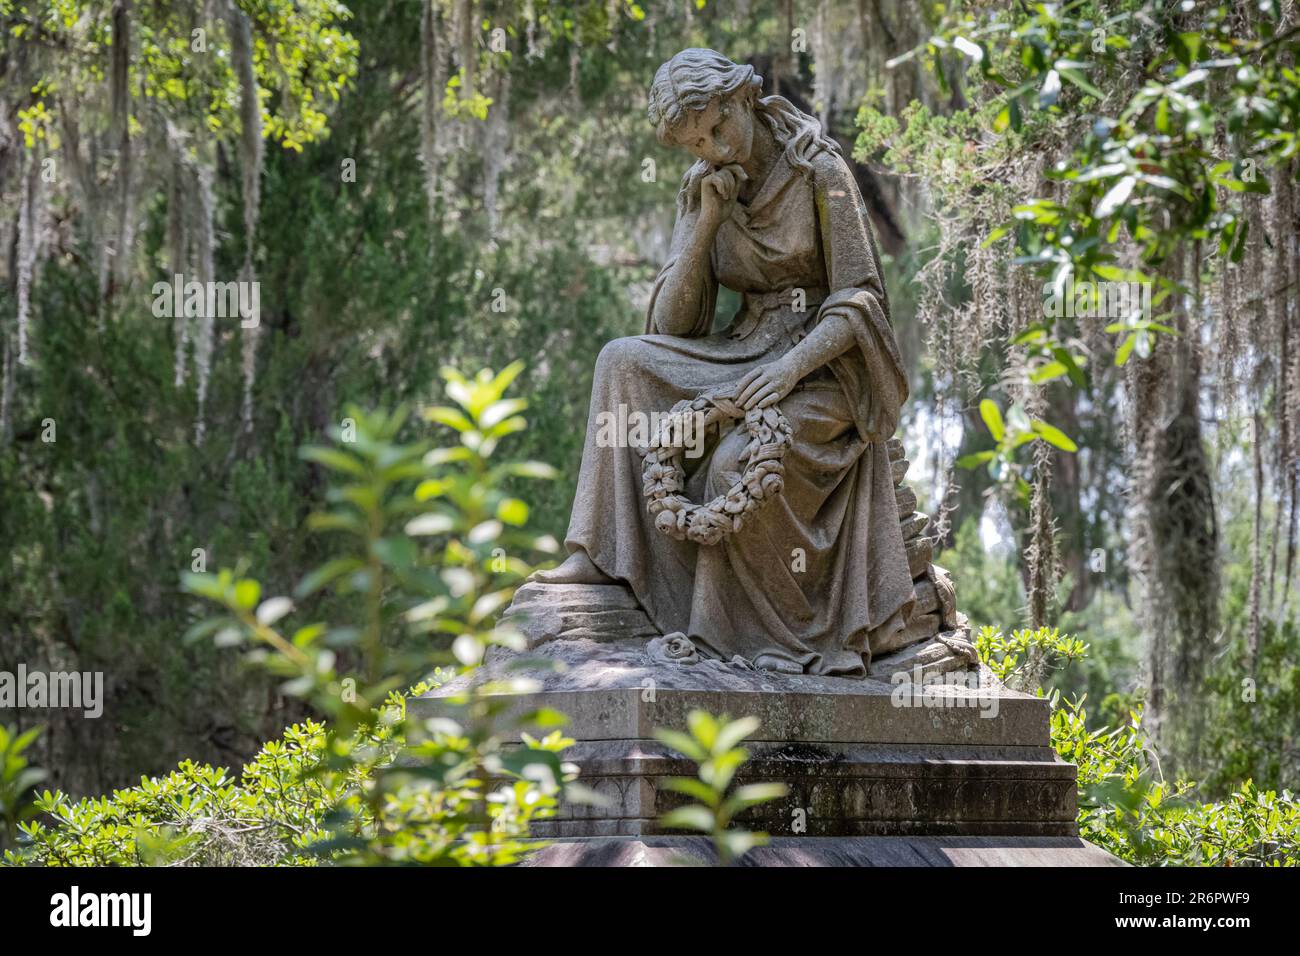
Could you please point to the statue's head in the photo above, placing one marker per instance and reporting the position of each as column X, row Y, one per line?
column 704, row 103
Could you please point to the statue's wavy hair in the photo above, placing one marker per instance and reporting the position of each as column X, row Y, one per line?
column 695, row 77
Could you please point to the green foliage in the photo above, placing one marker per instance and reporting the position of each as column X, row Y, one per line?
column 424, row 556
column 990, row 582
column 1110, row 675
column 302, row 60
column 1125, row 804
column 1126, row 144
column 17, row 778
column 1009, row 434
column 198, row 815
column 1127, row 807
column 1146, row 165
column 377, row 785
column 1162, row 163
column 1024, row 660
column 714, row 744
column 365, row 293
column 936, row 147
column 284, row 810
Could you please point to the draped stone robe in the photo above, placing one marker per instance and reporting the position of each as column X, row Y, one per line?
column 818, row 574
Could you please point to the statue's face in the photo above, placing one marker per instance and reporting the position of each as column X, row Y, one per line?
column 721, row 133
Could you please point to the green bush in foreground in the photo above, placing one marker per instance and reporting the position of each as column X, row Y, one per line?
column 714, row 744
column 17, row 778
column 1125, row 804
column 286, row 806
column 274, row 813
column 430, row 551
column 282, row 810
column 429, row 545
column 278, row 812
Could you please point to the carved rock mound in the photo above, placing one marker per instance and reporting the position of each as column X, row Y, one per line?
column 937, row 636
column 595, row 612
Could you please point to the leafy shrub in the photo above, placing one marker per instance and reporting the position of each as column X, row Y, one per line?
column 17, row 778
column 197, row 814
column 432, row 545
column 714, row 744
column 1024, row 660
column 1125, row 804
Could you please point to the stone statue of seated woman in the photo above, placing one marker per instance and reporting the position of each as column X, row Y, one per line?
column 797, row 557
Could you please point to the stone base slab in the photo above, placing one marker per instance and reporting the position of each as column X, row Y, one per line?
column 831, row 851
column 860, row 758
column 616, row 691
column 836, row 790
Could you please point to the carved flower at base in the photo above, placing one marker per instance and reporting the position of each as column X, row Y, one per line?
column 674, row 648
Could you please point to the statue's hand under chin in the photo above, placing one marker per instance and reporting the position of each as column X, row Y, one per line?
column 718, row 192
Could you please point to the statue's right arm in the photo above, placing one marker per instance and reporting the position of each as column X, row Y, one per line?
column 685, row 288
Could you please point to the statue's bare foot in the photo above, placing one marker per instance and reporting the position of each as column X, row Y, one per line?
column 577, row 568
column 770, row 662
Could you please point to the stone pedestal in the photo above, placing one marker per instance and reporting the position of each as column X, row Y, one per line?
column 830, row 851
column 863, row 760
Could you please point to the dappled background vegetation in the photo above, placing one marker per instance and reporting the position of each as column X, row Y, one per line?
column 469, row 182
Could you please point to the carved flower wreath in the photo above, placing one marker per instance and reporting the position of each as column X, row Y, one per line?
column 664, row 478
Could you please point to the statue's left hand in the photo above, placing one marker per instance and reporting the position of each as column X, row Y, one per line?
column 766, row 385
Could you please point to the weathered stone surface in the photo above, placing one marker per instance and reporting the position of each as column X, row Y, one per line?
column 915, row 524
column 906, row 499
column 576, row 597
column 920, row 627
column 608, row 622
column 911, row 851
column 947, row 595
column 898, row 470
column 548, row 612
column 920, row 551
column 840, row 789
column 638, row 694
column 894, row 447
column 945, row 654
column 935, row 611
column 927, row 598
column 859, row 757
